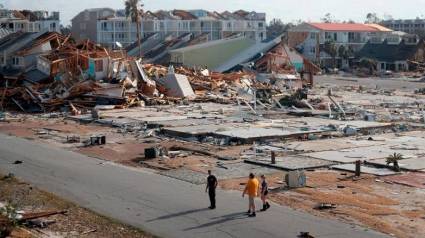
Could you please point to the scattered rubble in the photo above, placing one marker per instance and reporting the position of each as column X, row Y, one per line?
column 267, row 116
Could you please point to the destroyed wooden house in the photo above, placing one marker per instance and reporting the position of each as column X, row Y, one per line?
column 86, row 58
column 19, row 51
column 53, row 71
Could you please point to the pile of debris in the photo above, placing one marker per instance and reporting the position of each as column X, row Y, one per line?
column 71, row 76
column 75, row 78
column 11, row 219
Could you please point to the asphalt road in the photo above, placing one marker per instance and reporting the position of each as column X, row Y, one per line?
column 163, row 206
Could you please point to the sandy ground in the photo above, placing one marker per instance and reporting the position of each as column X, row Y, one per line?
column 77, row 222
column 390, row 208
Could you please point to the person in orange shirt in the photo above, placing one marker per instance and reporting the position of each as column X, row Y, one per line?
column 252, row 188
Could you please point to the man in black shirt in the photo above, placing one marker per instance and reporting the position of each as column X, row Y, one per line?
column 211, row 186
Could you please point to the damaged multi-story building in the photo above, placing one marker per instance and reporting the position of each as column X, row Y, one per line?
column 107, row 26
column 29, row 21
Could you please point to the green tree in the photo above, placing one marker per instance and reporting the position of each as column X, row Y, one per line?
column 276, row 27
column 369, row 64
column 328, row 18
column 133, row 12
column 372, row 18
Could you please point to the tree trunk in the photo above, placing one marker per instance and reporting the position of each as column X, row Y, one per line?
column 396, row 166
column 139, row 43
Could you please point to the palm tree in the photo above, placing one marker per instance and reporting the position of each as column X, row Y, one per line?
column 133, row 12
column 332, row 50
column 393, row 159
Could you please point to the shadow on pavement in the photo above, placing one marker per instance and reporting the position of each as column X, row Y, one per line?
column 169, row 216
column 221, row 219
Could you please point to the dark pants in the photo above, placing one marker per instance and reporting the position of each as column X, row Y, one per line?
column 211, row 193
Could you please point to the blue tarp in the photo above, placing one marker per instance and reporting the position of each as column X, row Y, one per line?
column 92, row 68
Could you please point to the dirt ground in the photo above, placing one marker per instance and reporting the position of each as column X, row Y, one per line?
column 75, row 223
column 120, row 147
column 390, row 208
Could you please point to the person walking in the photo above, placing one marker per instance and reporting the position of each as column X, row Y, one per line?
column 264, row 193
column 211, row 186
column 251, row 189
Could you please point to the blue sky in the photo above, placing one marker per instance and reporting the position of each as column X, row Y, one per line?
column 309, row 10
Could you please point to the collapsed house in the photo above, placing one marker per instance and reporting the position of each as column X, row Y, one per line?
column 19, row 50
column 270, row 59
column 47, row 71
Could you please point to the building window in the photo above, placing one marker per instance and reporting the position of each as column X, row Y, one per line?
column 99, row 65
column 312, row 35
column 260, row 24
column 83, row 26
column 327, row 35
column 312, row 50
column 16, row 61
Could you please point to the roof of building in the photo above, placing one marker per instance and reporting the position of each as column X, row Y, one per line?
column 417, row 20
column 14, row 39
column 184, row 15
column 98, row 10
column 4, row 32
column 380, row 28
column 30, row 15
column 389, row 52
column 53, row 37
column 351, row 27
column 188, row 15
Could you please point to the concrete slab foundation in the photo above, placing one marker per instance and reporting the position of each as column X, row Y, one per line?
column 364, row 169
column 413, row 164
column 291, row 162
